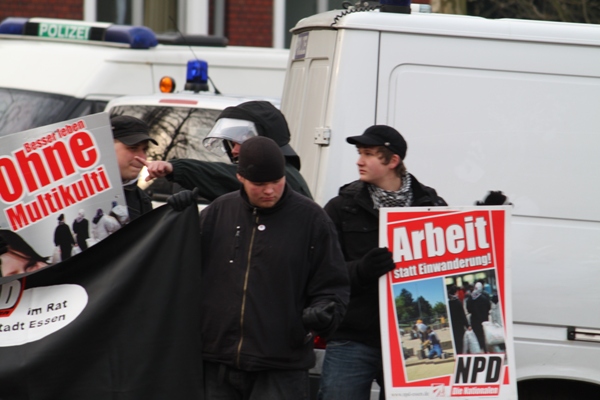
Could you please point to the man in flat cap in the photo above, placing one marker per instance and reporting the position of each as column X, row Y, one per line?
column 131, row 139
column 353, row 356
column 272, row 273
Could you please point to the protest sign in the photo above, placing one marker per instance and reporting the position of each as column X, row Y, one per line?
column 118, row 320
column 52, row 177
column 445, row 309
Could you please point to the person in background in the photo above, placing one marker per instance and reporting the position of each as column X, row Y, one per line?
column 17, row 256
column 81, row 229
column 353, row 355
column 63, row 238
column 458, row 318
column 435, row 346
column 234, row 125
column 479, row 307
column 131, row 140
column 263, row 295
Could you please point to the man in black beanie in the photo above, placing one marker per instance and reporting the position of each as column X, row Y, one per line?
column 233, row 126
column 349, row 369
column 272, row 274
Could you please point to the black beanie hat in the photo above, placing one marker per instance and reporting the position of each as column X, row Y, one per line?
column 261, row 160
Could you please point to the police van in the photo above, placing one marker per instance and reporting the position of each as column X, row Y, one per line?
column 505, row 104
column 54, row 70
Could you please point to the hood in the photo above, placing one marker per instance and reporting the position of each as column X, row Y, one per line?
column 269, row 121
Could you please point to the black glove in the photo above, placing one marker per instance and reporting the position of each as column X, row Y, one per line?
column 494, row 198
column 181, row 200
column 376, row 262
column 319, row 317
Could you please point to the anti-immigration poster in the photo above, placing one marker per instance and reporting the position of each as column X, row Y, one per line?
column 53, row 179
column 118, row 321
column 445, row 309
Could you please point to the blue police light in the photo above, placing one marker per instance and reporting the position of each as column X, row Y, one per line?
column 13, row 26
column 197, row 76
column 137, row 37
column 395, row 6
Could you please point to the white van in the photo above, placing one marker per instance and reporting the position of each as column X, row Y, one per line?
column 54, row 70
column 509, row 105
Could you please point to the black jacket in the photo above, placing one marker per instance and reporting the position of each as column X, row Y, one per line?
column 260, row 269
column 138, row 202
column 357, row 223
column 214, row 179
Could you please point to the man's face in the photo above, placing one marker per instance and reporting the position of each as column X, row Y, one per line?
column 129, row 167
column 235, row 150
column 371, row 167
column 263, row 194
column 12, row 263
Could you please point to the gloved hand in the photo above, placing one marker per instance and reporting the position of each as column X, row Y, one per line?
column 494, row 198
column 319, row 317
column 375, row 263
column 181, row 200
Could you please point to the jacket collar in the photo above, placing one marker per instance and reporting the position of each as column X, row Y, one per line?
column 277, row 206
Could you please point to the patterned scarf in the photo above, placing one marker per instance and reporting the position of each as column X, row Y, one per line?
column 386, row 198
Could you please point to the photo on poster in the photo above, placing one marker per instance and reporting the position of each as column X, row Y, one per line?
column 60, row 192
column 423, row 327
column 475, row 312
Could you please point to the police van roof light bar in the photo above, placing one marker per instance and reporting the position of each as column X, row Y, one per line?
column 136, row 37
column 395, row 6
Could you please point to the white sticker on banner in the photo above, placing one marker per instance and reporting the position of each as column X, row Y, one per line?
column 40, row 312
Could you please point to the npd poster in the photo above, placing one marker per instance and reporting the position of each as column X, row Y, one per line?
column 446, row 307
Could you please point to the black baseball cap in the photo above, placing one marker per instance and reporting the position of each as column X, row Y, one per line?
column 381, row 135
column 130, row 130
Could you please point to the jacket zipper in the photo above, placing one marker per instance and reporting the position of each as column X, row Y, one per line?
column 239, row 349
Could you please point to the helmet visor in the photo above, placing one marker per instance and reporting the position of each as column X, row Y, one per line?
column 229, row 130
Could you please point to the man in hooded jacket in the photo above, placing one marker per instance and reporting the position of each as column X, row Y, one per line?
column 233, row 126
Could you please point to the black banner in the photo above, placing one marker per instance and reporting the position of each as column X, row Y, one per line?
column 118, row 321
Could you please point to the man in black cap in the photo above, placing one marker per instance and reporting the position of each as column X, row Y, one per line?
column 234, row 125
column 272, row 273
column 131, row 140
column 17, row 256
column 353, row 354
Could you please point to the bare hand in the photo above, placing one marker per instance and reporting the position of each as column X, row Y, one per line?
column 156, row 169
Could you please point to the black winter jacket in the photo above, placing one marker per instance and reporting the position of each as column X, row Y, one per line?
column 357, row 223
column 138, row 202
column 260, row 269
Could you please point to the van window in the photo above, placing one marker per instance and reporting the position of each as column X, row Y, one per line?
column 21, row 110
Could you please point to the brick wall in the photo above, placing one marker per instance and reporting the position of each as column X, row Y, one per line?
column 249, row 22
column 69, row 9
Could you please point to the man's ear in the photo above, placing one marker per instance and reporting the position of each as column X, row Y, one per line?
column 240, row 178
column 394, row 161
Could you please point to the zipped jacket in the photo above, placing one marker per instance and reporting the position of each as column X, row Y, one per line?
column 357, row 223
column 260, row 269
